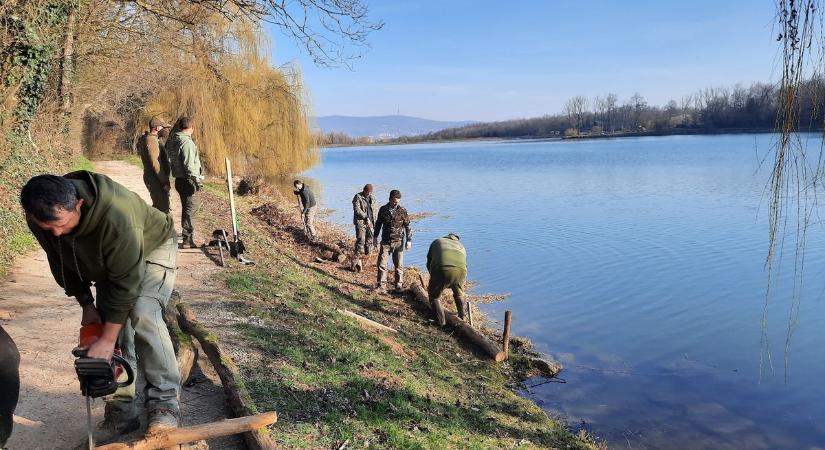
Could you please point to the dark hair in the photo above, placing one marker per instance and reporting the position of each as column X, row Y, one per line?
column 44, row 194
column 296, row 182
column 395, row 193
column 367, row 187
column 186, row 122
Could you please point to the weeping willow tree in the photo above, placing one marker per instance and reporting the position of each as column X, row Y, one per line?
column 796, row 178
column 244, row 109
column 207, row 59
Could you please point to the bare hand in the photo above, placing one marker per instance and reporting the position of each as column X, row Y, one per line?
column 409, row 245
column 101, row 348
column 90, row 315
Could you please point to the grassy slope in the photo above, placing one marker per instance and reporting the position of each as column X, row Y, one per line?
column 331, row 381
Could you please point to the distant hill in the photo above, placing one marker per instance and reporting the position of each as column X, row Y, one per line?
column 383, row 126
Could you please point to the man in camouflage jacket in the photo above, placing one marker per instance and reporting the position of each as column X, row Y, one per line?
column 393, row 225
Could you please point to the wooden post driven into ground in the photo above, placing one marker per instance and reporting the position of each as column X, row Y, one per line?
column 185, row 435
column 508, row 318
column 462, row 327
column 236, row 393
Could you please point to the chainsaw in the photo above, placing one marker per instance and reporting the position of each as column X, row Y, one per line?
column 98, row 377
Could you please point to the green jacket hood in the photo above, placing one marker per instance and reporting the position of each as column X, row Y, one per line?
column 96, row 201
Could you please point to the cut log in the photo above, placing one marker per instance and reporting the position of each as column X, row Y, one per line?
column 185, row 435
column 367, row 322
column 185, row 350
column 239, row 399
column 462, row 327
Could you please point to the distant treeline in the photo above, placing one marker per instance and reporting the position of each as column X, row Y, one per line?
column 708, row 110
column 341, row 139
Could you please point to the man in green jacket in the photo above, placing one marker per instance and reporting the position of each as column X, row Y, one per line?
column 447, row 264
column 94, row 230
column 155, row 164
column 185, row 162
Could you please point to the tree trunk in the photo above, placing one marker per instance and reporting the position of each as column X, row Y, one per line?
column 66, row 64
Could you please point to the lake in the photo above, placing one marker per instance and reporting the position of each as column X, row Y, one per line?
column 638, row 263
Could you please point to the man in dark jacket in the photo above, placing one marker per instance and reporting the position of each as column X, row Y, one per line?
column 308, row 207
column 363, row 217
column 155, row 164
column 94, row 230
column 447, row 264
column 393, row 225
column 9, row 384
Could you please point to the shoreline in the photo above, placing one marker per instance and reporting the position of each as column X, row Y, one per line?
column 420, row 354
column 681, row 132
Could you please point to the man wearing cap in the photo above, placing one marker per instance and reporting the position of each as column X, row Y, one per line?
column 185, row 163
column 395, row 224
column 447, row 264
column 155, row 164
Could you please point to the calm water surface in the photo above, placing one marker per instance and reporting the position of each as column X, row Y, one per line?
column 638, row 263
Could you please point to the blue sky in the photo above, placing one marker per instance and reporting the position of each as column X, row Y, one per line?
column 491, row 60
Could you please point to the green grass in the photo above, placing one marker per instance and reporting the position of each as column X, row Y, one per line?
column 330, row 381
column 82, row 163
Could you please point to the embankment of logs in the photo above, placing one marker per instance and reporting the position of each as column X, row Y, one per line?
column 239, row 399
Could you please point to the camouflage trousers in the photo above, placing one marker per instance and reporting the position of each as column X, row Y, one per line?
column 363, row 237
column 397, row 251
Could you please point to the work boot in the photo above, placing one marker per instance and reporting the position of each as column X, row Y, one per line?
column 379, row 289
column 461, row 306
column 119, row 418
column 398, row 288
column 161, row 420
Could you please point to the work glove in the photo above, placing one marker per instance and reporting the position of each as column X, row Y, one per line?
column 409, row 245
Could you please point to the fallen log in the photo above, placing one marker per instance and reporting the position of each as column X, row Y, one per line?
column 185, row 350
column 368, row 322
column 185, row 435
column 462, row 327
column 239, row 399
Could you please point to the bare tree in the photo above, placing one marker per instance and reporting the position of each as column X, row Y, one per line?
column 576, row 108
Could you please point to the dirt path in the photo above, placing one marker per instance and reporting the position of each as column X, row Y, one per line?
column 44, row 324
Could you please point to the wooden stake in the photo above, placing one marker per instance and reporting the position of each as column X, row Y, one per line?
column 368, row 322
column 185, row 435
column 508, row 317
column 470, row 313
column 237, row 396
